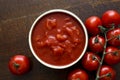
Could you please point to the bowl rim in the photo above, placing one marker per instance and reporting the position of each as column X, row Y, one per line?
column 74, row 16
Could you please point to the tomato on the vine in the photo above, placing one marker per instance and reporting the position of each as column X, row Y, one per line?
column 113, row 37
column 112, row 55
column 78, row 74
column 96, row 43
column 107, row 73
column 110, row 17
column 90, row 61
column 19, row 64
column 92, row 24
column 109, row 43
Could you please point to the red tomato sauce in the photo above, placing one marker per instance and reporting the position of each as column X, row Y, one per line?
column 58, row 39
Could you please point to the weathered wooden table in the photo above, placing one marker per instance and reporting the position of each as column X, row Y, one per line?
column 16, row 18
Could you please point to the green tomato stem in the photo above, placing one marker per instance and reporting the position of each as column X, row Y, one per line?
column 101, row 62
column 118, row 37
column 108, row 75
column 104, row 31
column 95, row 58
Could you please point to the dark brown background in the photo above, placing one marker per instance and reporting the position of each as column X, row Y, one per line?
column 16, row 18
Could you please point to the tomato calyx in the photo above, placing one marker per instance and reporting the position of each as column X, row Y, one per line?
column 95, row 58
column 115, row 53
column 112, row 25
column 118, row 37
column 96, row 39
column 16, row 65
column 118, row 25
column 103, row 29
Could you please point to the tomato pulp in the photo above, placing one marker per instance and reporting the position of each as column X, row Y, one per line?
column 58, row 39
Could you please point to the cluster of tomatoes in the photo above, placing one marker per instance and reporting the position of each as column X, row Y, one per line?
column 103, row 47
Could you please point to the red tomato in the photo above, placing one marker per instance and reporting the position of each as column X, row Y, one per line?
column 110, row 17
column 107, row 73
column 96, row 43
column 114, row 37
column 92, row 24
column 90, row 61
column 78, row 74
column 112, row 55
column 19, row 64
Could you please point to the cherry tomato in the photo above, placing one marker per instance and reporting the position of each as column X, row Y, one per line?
column 113, row 37
column 112, row 55
column 107, row 73
column 19, row 64
column 90, row 61
column 110, row 17
column 92, row 24
column 96, row 43
column 78, row 74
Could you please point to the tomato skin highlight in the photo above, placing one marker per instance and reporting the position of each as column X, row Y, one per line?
column 110, row 17
column 112, row 55
column 78, row 74
column 92, row 24
column 107, row 70
column 96, row 44
column 112, row 36
column 89, row 61
column 19, row 64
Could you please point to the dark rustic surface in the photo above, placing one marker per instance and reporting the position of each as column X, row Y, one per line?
column 16, row 18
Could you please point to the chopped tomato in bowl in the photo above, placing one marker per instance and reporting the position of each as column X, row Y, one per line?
column 58, row 39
